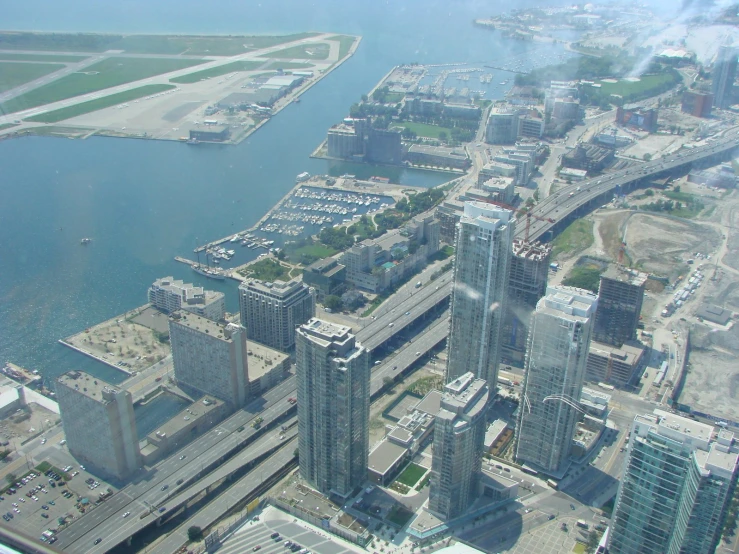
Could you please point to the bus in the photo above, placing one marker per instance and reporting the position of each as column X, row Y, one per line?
column 552, row 483
column 582, row 524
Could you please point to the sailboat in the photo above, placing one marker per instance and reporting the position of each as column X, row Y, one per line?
column 212, row 273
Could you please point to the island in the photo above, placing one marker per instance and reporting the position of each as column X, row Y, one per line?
column 166, row 87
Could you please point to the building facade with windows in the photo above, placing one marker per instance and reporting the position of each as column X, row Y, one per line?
column 271, row 312
column 210, row 358
column 620, row 298
column 459, row 435
column 169, row 295
column 333, row 378
column 677, row 483
column 99, row 424
column 555, row 371
column 481, row 271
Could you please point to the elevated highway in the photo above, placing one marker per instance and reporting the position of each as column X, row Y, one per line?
column 577, row 199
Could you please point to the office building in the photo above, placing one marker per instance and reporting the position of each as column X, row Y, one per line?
column 210, row 358
column 620, row 298
column 270, row 312
column 555, row 370
column 676, row 486
column 723, row 75
column 459, row 435
column 325, row 276
column 481, row 271
column 616, row 366
column 99, row 424
column 333, row 378
column 698, row 104
column 527, row 283
column 531, row 127
column 502, row 126
column 211, row 133
column 169, row 295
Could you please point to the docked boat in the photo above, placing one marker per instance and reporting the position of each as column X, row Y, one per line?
column 211, row 273
column 302, row 177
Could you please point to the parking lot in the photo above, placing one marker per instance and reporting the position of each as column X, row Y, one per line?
column 256, row 536
column 38, row 503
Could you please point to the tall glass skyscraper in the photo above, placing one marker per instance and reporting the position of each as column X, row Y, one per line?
column 481, row 268
column 333, row 377
column 557, row 353
column 675, row 488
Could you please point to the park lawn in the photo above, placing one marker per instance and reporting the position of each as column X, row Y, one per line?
column 320, row 51
column 108, row 73
column 40, row 57
column 267, row 270
column 98, row 104
column 15, row 74
column 575, row 238
column 584, row 277
column 315, row 251
column 426, row 130
column 579, row 548
column 217, row 71
column 411, row 474
column 394, row 97
column 142, row 44
column 625, row 88
column 345, row 43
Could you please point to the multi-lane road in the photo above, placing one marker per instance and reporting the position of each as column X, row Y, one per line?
column 558, row 207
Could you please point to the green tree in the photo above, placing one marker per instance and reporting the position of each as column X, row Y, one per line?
column 443, row 136
column 647, row 157
column 332, row 302
column 10, row 477
column 194, row 533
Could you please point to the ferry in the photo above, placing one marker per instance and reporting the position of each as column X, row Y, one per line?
column 302, row 177
column 86, row 241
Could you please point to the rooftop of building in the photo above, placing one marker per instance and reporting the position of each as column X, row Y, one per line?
column 630, row 276
column 627, row 353
column 491, row 166
column 535, row 251
column 717, row 461
column 493, row 432
column 595, row 396
column 262, row 359
column 220, row 331
column 574, row 172
column 272, row 288
column 487, row 214
column 568, row 302
column 714, row 313
column 342, row 128
column 430, row 403
column 678, row 427
column 384, row 456
column 400, row 434
column 466, row 394
column 86, row 384
column 197, row 410
column 326, row 332
column 438, row 150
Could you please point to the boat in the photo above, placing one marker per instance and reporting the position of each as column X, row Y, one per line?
column 193, row 141
column 85, row 241
column 235, row 238
column 211, row 273
column 302, row 177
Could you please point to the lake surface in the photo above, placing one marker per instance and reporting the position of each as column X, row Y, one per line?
column 143, row 202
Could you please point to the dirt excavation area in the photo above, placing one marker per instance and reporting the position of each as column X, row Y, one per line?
column 656, row 244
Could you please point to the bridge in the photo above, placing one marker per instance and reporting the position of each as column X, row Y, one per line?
column 576, row 200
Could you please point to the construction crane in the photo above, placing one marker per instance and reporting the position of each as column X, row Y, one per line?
column 519, row 211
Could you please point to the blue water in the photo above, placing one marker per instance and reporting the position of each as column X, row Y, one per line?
column 143, row 202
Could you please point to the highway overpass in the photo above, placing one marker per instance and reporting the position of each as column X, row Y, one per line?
column 580, row 198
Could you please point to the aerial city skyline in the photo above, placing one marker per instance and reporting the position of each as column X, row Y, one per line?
column 345, row 294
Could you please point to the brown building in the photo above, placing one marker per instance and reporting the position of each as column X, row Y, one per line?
column 616, row 366
column 698, row 104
